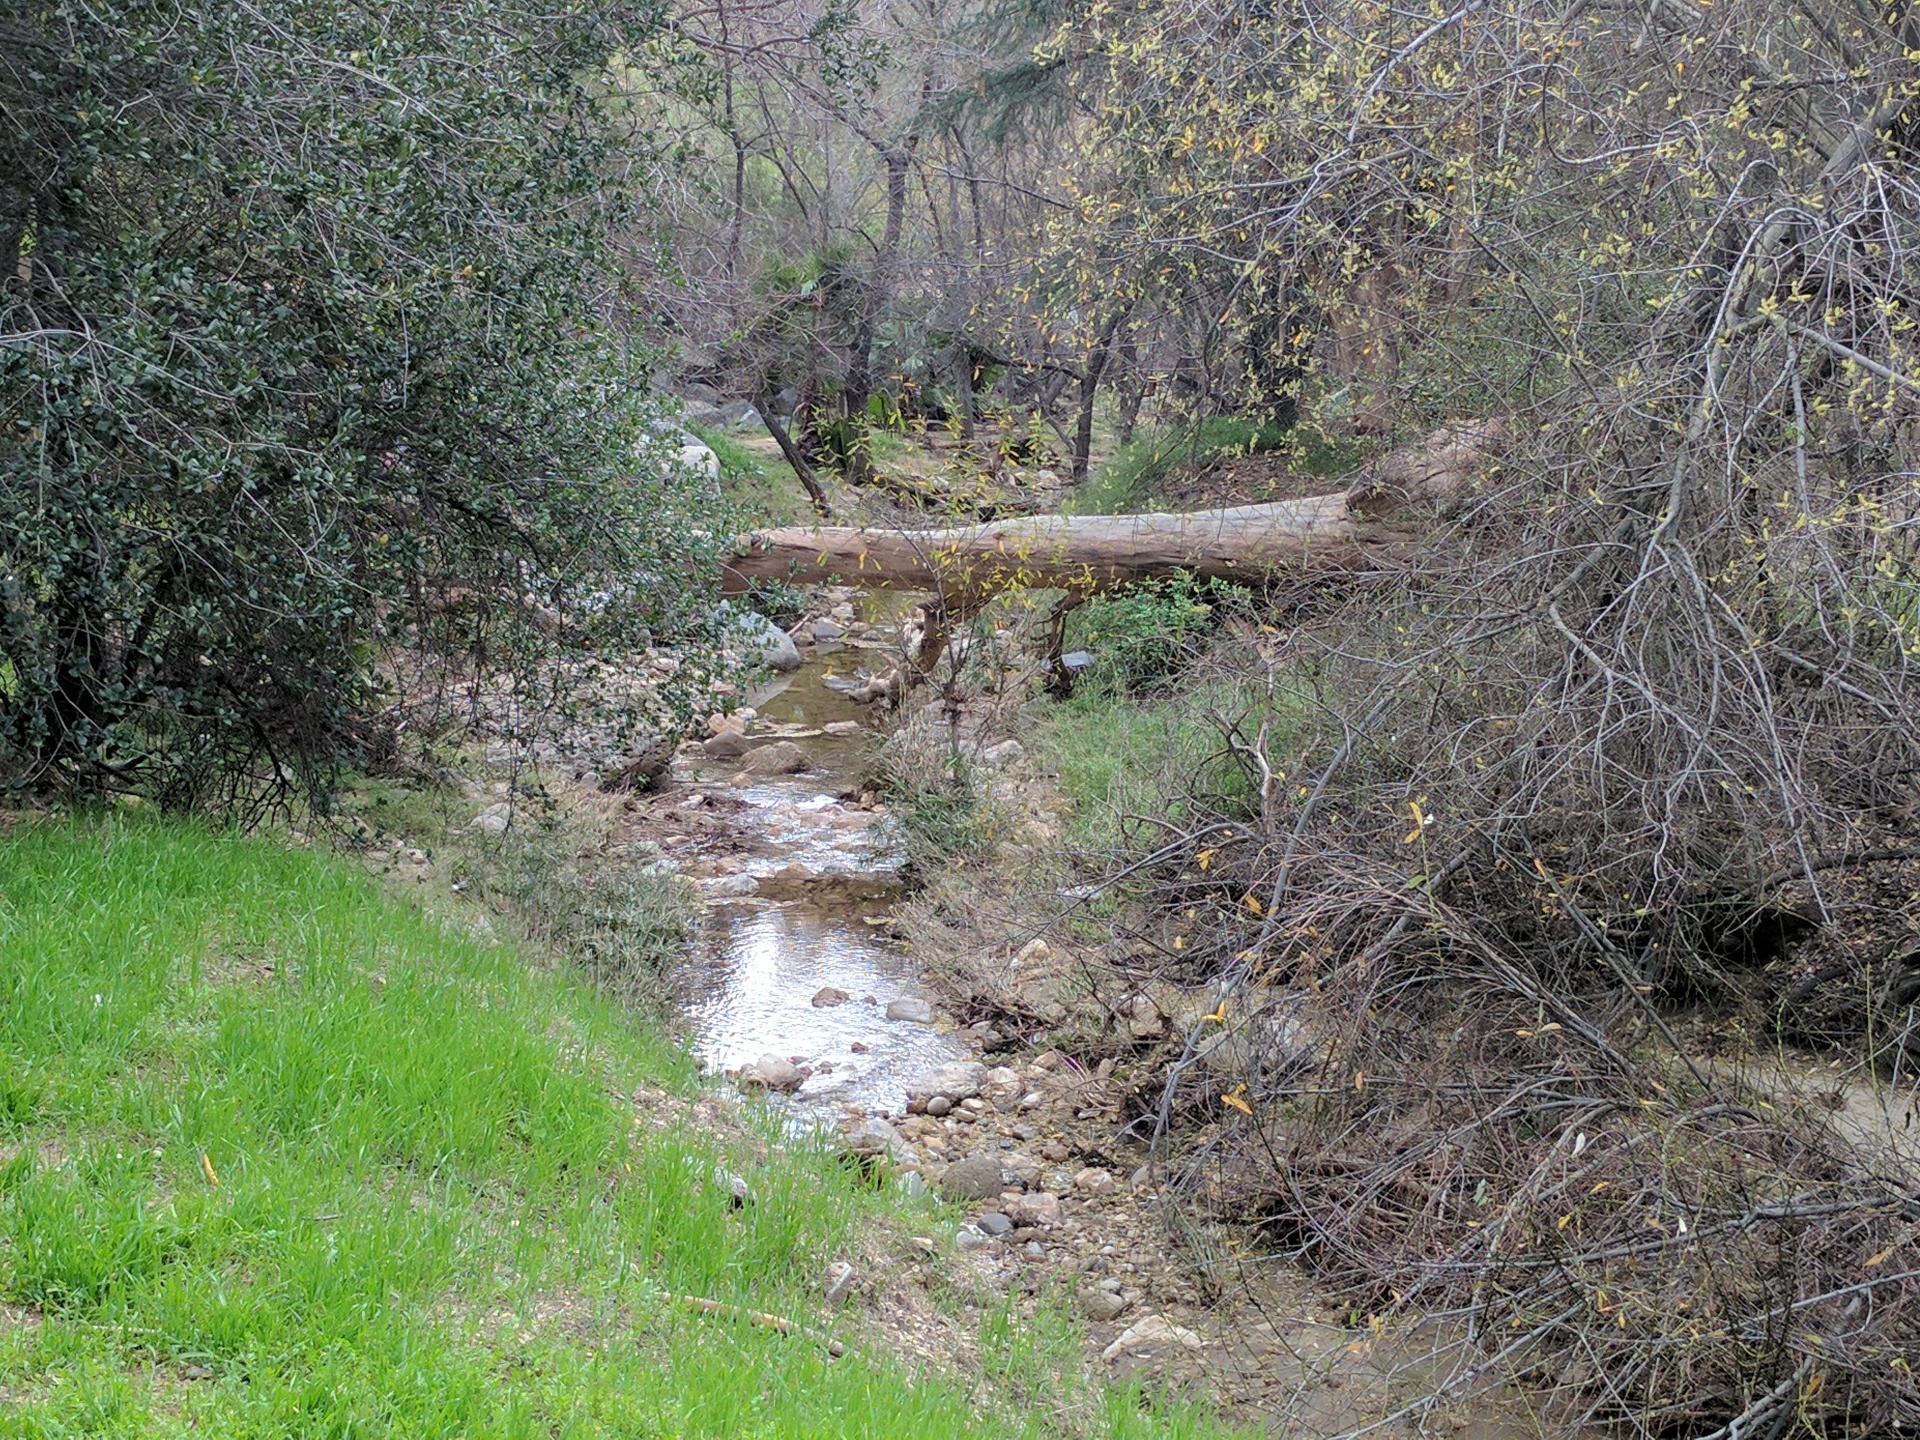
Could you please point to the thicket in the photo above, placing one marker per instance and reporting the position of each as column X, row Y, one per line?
column 305, row 358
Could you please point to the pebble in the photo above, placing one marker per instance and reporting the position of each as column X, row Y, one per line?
column 1034, row 1250
column 993, row 1223
column 939, row 1105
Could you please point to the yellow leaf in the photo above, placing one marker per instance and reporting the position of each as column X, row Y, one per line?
column 207, row 1166
column 1564, row 1221
column 1218, row 1017
column 1359, row 1079
column 1237, row 1103
column 1253, row 904
column 1205, row 858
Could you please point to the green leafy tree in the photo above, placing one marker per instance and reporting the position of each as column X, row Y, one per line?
column 302, row 359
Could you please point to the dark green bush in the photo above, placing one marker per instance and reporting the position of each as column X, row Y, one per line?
column 1144, row 634
column 301, row 359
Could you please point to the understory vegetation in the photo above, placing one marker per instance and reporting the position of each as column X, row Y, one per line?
column 278, row 1156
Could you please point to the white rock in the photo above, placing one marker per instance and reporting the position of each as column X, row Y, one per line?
column 959, row 1081
column 1155, row 1332
column 920, row 1012
column 1001, row 754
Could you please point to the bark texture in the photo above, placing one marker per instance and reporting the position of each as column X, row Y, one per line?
column 1372, row 523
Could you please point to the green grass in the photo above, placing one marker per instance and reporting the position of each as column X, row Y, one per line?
column 1132, row 478
column 280, row 1157
column 762, row 490
column 1117, row 756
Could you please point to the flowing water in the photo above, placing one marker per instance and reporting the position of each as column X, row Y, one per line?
column 767, row 958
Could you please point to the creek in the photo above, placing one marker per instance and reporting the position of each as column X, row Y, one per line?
column 823, row 870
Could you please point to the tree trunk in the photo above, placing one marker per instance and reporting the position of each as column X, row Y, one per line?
column 1090, row 392
column 1370, row 525
column 879, row 294
column 763, row 402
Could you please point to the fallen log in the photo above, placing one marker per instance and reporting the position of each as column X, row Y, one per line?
column 1368, row 525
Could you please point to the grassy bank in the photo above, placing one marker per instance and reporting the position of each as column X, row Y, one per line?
column 281, row 1157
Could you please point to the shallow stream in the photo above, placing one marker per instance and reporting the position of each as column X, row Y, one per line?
column 766, row 959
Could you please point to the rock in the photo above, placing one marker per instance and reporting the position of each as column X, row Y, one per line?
column 1004, row 752
column 826, row 997
column 770, row 1072
column 639, row 769
column 939, row 1105
column 993, row 1223
column 828, row 630
column 1144, row 1020
column 1003, row 1079
column 840, row 1281
column 1032, row 955
column 920, row 1012
column 967, row 1237
column 1040, row 1209
column 871, row 1136
column 1034, row 1250
column 842, row 727
column 730, row 887
column 762, row 641
column 1155, row 1332
column 912, row 1184
column 1141, row 1178
column 959, row 1081
column 1095, row 1181
column 727, row 745
column 733, row 1185
column 975, row 1178
column 494, row 820
column 1100, row 1306
column 782, row 757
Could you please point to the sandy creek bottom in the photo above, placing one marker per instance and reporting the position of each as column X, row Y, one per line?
column 750, row 991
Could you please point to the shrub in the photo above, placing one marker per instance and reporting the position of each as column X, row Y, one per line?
column 299, row 358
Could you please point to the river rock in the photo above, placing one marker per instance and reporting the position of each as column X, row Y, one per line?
column 727, row 745
column 959, row 1081
column 827, row 996
column 939, row 1105
column 1154, row 1332
column 920, row 1012
column 782, row 757
column 764, row 642
column 871, row 1136
column 828, row 630
column 1040, row 1209
column 842, row 727
column 975, row 1178
column 770, row 1072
